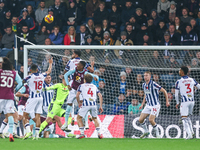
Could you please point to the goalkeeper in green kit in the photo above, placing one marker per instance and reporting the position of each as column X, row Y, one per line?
column 61, row 92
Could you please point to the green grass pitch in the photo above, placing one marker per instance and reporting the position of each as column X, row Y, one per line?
column 100, row 144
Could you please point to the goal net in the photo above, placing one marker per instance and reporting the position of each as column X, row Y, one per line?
column 120, row 70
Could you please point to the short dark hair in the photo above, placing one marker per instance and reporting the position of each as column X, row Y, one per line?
column 7, row 65
column 34, row 67
column 82, row 63
column 185, row 69
column 88, row 78
column 77, row 52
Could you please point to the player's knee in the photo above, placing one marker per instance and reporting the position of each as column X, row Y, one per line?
column 151, row 120
column 141, row 120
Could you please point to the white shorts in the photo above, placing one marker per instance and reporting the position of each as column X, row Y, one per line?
column 21, row 110
column 45, row 109
column 72, row 96
column 7, row 106
column 84, row 109
column 152, row 110
column 33, row 106
column 186, row 108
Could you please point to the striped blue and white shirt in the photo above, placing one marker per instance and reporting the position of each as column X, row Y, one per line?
column 185, row 86
column 89, row 93
column 151, row 91
column 35, row 82
column 47, row 95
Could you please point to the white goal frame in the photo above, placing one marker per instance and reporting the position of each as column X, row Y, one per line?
column 113, row 47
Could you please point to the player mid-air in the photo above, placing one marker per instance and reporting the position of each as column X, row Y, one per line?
column 7, row 82
column 89, row 93
column 152, row 108
column 78, row 79
column 34, row 103
column 185, row 86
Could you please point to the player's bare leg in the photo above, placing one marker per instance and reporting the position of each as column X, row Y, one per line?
column 142, row 121
column 26, row 125
column 153, row 123
column 96, row 123
column 186, row 126
column 37, row 128
column 11, row 125
column 81, row 127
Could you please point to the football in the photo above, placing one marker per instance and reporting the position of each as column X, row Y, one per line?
column 49, row 18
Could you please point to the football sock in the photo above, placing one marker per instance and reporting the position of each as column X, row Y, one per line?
column 144, row 126
column 37, row 129
column 11, row 124
column 72, row 111
column 86, row 120
column 98, row 130
column 155, row 127
column 190, row 125
column 42, row 126
column 69, row 120
column 82, row 130
column 53, row 136
column 186, row 126
column 3, row 125
column 15, row 127
column 31, row 122
column 27, row 126
column 67, row 113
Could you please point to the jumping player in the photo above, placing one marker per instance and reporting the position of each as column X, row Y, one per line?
column 78, row 79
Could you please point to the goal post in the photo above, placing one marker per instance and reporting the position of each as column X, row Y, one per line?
column 121, row 70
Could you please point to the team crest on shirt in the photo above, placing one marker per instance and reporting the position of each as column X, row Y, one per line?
column 147, row 90
column 78, row 79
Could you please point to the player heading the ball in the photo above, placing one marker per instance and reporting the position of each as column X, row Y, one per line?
column 152, row 108
column 89, row 92
column 185, row 86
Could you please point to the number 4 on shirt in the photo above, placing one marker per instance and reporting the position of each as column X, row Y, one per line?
column 90, row 92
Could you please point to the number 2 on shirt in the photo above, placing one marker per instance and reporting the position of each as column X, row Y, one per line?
column 38, row 85
column 90, row 92
column 188, row 88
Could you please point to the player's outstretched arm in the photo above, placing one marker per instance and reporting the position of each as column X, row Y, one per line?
column 101, row 102
column 21, row 93
column 96, row 78
column 66, row 75
column 53, row 87
column 143, row 102
column 50, row 66
column 91, row 69
column 166, row 96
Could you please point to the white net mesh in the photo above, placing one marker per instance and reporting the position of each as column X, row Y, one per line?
column 121, row 77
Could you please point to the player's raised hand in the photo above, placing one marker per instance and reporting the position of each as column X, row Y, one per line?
column 167, row 104
column 141, row 107
column 69, row 87
column 177, row 106
column 51, row 60
column 100, row 109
